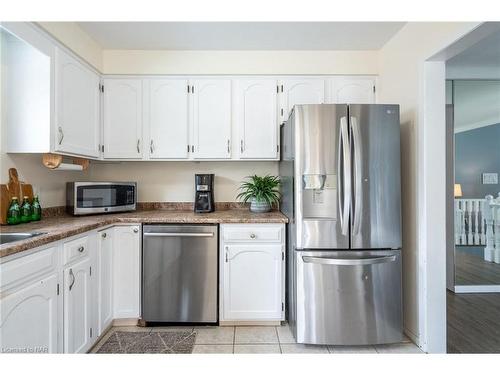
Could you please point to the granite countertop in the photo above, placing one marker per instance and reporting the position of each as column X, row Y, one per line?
column 57, row 228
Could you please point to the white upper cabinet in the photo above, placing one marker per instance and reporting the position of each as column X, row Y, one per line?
column 255, row 103
column 352, row 90
column 77, row 129
column 211, row 119
column 123, row 119
column 301, row 91
column 168, row 113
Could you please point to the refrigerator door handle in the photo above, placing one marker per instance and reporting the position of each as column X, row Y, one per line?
column 349, row 262
column 345, row 199
column 357, row 175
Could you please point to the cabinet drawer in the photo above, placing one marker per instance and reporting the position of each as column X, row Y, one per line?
column 76, row 249
column 27, row 267
column 252, row 233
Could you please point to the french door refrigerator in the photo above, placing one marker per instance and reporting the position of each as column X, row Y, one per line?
column 340, row 180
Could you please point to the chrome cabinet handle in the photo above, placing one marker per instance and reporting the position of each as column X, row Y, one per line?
column 104, row 235
column 241, row 146
column 138, row 146
column 61, row 134
column 357, row 175
column 73, row 279
column 80, row 249
column 136, row 230
column 349, row 262
column 228, row 146
column 151, row 146
column 345, row 204
column 252, row 236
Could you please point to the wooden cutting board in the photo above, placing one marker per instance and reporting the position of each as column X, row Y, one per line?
column 14, row 188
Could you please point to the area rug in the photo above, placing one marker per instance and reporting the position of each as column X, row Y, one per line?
column 166, row 342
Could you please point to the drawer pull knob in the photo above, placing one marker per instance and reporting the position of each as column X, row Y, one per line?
column 104, row 235
column 136, row 230
column 80, row 249
column 252, row 236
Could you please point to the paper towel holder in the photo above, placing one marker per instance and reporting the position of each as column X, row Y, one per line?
column 55, row 162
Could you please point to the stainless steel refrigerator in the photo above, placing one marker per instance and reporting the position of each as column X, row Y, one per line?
column 340, row 172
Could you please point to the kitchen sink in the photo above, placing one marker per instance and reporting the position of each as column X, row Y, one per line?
column 12, row 237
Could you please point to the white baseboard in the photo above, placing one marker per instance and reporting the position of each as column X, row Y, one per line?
column 477, row 289
column 413, row 337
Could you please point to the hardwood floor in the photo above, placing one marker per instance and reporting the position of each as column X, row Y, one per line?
column 471, row 269
column 473, row 323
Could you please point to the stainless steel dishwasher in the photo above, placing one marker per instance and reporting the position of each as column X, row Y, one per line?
column 179, row 273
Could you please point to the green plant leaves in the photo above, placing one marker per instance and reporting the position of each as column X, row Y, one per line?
column 260, row 188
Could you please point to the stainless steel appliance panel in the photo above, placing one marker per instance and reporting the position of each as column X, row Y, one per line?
column 376, row 176
column 321, row 154
column 348, row 297
column 179, row 282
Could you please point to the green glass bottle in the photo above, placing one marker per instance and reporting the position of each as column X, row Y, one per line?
column 36, row 209
column 14, row 213
column 25, row 211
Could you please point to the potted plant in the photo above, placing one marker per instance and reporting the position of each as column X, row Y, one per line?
column 262, row 192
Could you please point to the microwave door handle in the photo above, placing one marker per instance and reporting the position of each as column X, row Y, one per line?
column 346, row 176
column 356, row 136
column 349, row 262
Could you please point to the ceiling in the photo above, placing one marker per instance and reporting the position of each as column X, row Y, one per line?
column 483, row 54
column 242, row 35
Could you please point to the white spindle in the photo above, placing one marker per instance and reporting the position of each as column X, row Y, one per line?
column 470, row 234
column 476, row 221
column 483, row 226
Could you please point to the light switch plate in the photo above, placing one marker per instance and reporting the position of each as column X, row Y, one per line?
column 490, row 178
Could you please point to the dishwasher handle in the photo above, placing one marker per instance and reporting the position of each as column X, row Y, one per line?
column 179, row 234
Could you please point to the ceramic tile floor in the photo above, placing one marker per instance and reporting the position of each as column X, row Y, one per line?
column 261, row 340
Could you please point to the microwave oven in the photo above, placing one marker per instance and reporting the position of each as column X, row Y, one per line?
column 83, row 198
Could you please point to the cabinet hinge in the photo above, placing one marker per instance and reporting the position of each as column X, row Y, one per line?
column 277, row 89
column 188, row 148
column 102, row 147
column 281, row 111
column 277, row 148
column 91, row 332
column 101, row 88
column 188, row 89
column 282, row 256
column 374, row 88
column 192, row 89
column 57, row 289
column 281, row 88
column 90, row 271
column 282, row 306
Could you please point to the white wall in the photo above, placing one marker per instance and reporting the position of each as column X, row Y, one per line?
column 239, row 62
column 174, row 181
column 401, row 77
column 73, row 37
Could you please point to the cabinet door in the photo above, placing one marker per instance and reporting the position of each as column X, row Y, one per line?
column 123, row 119
column 126, row 271
column 252, row 282
column 77, row 307
column 212, row 119
column 301, row 91
column 29, row 318
column 105, row 285
column 256, row 114
column 77, row 107
column 168, row 119
column 352, row 90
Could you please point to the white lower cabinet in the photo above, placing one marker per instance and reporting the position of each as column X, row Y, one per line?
column 126, row 271
column 60, row 298
column 29, row 317
column 78, row 330
column 252, row 272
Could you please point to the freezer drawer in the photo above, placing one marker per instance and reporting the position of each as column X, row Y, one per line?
column 179, row 282
column 348, row 297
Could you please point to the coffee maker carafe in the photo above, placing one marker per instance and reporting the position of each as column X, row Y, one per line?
column 204, row 193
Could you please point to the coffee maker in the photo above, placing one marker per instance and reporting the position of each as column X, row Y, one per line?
column 204, row 193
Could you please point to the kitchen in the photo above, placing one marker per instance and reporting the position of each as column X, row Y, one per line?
column 142, row 235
